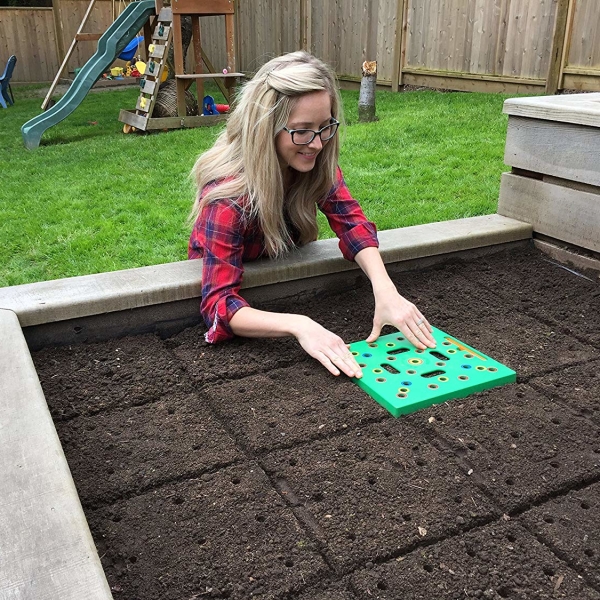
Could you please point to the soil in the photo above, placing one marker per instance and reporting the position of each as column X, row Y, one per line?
column 245, row 470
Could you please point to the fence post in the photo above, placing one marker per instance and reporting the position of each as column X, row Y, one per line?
column 58, row 30
column 398, row 59
column 305, row 25
column 560, row 42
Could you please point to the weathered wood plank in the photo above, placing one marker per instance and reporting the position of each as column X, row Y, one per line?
column 560, row 149
column 580, row 109
column 563, row 213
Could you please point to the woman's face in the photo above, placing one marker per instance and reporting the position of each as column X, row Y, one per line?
column 311, row 111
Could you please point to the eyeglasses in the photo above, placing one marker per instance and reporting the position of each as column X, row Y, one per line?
column 302, row 137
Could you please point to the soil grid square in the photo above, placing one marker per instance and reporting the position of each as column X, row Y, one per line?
column 245, row 470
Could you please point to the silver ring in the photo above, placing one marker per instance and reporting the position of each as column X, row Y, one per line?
column 420, row 322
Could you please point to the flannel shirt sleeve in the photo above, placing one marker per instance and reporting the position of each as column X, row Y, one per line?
column 219, row 232
column 348, row 220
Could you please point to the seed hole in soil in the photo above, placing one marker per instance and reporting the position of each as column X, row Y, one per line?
column 260, row 518
column 133, row 559
column 585, row 505
column 110, row 471
column 548, row 571
column 556, row 421
column 372, row 480
column 428, row 568
column 342, row 449
column 171, row 411
column 201, row 541
column 504, row 592
column 511, row 538
column 420, row 462
column 235, row 480
column 515, row 434
column 292, row 462
column 382, row 585
column 589, row 552
column 549, row 519
column 555, row 464
column 116, row 519
column 178, row 500
column 471, row 446
column 471, row 553
column 407, row 517
column 351, row 537
column 510, row 481
column 318, row 497
column 458, row 499
column 289, row 563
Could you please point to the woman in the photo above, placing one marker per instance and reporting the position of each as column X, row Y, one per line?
column 258, row 190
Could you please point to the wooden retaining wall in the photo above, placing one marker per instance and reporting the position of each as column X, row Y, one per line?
column 512, row 46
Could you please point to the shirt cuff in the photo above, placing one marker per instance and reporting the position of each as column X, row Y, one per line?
column 358, row 238
column 220, row 330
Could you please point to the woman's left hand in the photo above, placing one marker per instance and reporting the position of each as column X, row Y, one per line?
column 393, row 309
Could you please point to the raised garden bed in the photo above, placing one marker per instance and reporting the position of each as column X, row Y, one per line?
column 246, row 470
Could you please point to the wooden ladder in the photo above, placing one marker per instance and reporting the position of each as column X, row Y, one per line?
column 158, row 51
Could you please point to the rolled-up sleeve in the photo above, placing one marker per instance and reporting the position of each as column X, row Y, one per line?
column 348, row 220
column 218, row 238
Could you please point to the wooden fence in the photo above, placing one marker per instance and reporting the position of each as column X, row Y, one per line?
column 480, row 45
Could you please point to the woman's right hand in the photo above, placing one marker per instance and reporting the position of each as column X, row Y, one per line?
column 327, row 347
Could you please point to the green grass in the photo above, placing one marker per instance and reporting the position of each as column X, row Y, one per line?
column 91, row 199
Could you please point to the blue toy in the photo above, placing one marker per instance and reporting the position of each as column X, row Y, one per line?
column 209, row 107
column 129, row 51
column 6, row 94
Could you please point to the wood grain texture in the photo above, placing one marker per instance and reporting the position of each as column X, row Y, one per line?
column 563, row 213
column 554, row 148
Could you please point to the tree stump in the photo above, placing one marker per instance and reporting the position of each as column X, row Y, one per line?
column 366, row 97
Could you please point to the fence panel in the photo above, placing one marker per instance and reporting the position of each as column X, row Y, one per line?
column 347, row 32
column 28, row 33
column 504, row 38
column 584, row 50
column 100, row 19
column 489, row 43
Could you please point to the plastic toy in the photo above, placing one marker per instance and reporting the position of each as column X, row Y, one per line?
column 403, row 379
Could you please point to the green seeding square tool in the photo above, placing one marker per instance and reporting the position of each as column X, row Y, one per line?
column 403, row 379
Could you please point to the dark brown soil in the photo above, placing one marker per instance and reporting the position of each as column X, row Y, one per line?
column 245, row 470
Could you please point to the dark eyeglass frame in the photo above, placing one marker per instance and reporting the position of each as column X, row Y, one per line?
column 315, row 133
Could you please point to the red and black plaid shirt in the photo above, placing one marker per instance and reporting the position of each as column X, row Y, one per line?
column 224, row 238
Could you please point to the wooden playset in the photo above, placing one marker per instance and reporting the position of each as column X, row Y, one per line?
column 166, row 30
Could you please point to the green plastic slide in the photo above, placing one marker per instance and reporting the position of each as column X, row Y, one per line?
column 110, row 45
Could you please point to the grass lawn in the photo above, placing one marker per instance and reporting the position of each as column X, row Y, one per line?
column 91, row 199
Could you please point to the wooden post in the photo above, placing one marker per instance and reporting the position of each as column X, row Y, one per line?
column 398, row 59
column 567, row 44
column 366, row 98
column 230, row 52
column 306, row 25
column 197, row 43
column 178, row 60
column 557, row 55
column 58, row 28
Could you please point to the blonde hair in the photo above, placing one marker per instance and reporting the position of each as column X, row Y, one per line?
column 243, row 161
